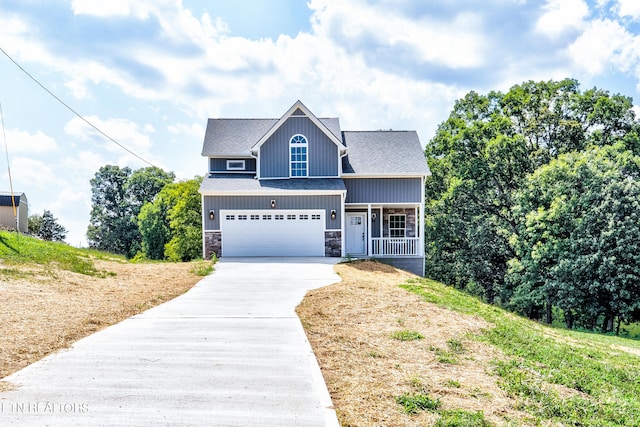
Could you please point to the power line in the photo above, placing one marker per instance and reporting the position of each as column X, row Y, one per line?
column 74, row 111
column 6, row 148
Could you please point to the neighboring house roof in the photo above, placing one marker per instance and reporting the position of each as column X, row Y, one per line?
column 234, row 184
column 5, row 198
column 373, row 153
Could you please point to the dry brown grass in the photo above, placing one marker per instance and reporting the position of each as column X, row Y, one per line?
column 48, row 309
column 350, row 324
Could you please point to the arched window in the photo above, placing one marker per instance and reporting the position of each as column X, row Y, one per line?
column 298, row 156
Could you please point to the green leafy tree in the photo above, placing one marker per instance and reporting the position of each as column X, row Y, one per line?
column 578, row 244
column 171, row 226
column 185, row 222
column 111, row 227
column 483, row 153
column 46, row 227
column 34, row 222
column 118, row 194
column 154, row 227
column 144, row 184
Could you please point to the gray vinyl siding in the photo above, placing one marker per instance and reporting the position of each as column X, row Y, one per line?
column 323, row 154
column 220, row 165
column 383, row 190
column 218, row 203
column 375, row 224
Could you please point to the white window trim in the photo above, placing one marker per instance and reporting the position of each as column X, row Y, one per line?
column 404, row 229
column 236, row 168
column 306, row 162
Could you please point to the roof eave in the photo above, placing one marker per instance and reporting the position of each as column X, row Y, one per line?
column 228, row 155
column 386, row 175
column 271, row 192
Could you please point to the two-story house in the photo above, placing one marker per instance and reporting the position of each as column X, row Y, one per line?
column 301, row 186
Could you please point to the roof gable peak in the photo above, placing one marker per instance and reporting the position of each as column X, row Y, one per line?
column 297, row 110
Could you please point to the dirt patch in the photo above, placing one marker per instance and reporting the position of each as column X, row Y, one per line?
column 350, row 327
column 46, row 309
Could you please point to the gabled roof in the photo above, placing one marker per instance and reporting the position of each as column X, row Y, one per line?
column 299, row 109
column 384, row 153
column 236, row 137
column 5, row 198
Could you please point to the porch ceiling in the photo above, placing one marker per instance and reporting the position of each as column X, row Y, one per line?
column 359, row 206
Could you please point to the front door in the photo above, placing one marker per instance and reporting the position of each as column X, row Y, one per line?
column 356, row 234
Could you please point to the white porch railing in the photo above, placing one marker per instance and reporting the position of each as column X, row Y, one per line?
column 395, row 246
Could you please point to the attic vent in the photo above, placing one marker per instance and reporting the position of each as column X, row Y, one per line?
column 298, row 112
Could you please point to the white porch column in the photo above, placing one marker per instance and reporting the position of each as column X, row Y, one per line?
column 422, row 233
column 343, row 214
column 369, row 242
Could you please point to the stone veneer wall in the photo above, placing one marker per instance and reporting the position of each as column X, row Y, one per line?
column 333, row 243
column 410, row 221
column 212, row 244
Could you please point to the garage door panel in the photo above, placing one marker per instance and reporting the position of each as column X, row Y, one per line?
column 272, row 233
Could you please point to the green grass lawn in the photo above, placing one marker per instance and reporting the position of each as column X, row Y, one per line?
column 569, row 377
column 17, row 249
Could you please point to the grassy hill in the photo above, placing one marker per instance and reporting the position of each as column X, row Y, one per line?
column 399, row 350
column 17, row 249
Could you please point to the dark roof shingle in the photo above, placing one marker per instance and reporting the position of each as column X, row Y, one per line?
column 383, row 153
column 236, row 137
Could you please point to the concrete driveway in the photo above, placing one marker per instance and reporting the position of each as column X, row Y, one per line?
column 230, row 352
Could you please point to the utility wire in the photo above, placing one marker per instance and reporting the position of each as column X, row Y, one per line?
column 74, row 111
column 6, row 149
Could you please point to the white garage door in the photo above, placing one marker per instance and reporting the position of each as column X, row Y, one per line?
column 272, row 233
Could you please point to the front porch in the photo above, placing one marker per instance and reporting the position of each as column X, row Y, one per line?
column 384, row 231
column 392, row 234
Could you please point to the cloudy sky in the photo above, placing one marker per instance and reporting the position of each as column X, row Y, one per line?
column 149, row 73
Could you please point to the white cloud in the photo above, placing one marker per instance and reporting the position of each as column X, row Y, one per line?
column 457, row 42
column 84, row 164
column 22, row 42
column 137, row 8
column 629, row 8
column 605, row 44
column 26, row 171
column 194, row 129
column 561, row 16
column 125, row 132
column 20, row 141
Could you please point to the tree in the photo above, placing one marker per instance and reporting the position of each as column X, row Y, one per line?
column 154, row 227
column 34, row 222
column 578, row 245
column 185, row 222
column 46, row 227
column 144, row 184
column 481, row 156
column 111, row 227
column 117, row 196
column 171, row 226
